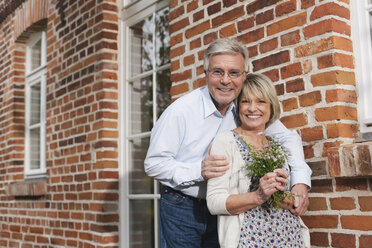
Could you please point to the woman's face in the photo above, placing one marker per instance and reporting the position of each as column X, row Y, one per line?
column 254, row 113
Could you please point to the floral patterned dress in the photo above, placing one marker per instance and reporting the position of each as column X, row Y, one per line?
column 268, row 227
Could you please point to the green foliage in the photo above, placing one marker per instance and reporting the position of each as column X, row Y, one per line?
column 272, row 156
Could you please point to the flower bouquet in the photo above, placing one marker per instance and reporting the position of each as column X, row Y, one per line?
column 272, row 156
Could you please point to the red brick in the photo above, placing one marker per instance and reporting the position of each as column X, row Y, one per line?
column 258, row 5
column 343, row 240
column 264, row 17
column 321, row 221
column 365, row 241
column 293, row 121
column 209, row 38
column 356, row 222
column 228, row 16
column 177, row 77
column 289, row 104
column 312, row 134
column 228, row 3
column 193, row 5
column 327, row 26
column 195, row 43
column 251, row 36
column 290, row 38
column 297, row 20
column 285, row 8
column 333, row 77
column 176, row 39
column 178, row 51
column 341, row 95
column 174, row 27
column 188, row 60
column 295, row 85
column 321, row 186
column 331, row 8
column 343, row 184
column 291, row 70
column 335, row 113
column 317, row 204
column 342, row 203
column 319, row 239
column 245, row 24
column 335, row 59
column 198, row 16
column 179, row 89
column 214, row 8
column 308, row 152
column 310, row 99
column 198, row 29
column 307, row 4
column 228, row 31
column 365, row 203
column 342, row 130
column 174, row 13
column 271, row 60
column 323, row 45
column 268, row 45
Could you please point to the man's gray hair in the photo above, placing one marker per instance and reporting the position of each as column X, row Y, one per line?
column 225, row 45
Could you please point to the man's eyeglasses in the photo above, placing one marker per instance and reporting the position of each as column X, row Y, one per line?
column 218, row 73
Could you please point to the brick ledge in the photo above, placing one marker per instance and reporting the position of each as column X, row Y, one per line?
column 27, row 189
column 350, row 160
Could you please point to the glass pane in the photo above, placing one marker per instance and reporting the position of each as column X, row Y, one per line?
column 141, row 46
column 139, row 182
column 162, row 37
column 140, row 102
column 141, row 231
column 35, row 148
column 35, row 104
column 36, row 55
column 163, row 91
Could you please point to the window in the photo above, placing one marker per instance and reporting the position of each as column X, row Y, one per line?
column 362, row 36
column 35, row 105
column 145, row 94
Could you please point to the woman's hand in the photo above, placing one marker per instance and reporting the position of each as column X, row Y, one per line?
column 270, row 183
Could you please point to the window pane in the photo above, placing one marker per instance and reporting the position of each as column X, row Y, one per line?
column 141, row 46
column 139, row 182
column 162, row 37
column 35, row 148
column 36, row 55
column 163, row 91
column 142, row 231
column 35, row 104
column 140, row 93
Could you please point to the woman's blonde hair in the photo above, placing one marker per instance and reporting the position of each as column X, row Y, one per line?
column 261, row 87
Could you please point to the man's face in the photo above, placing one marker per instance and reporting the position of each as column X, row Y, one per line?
column 225, row 77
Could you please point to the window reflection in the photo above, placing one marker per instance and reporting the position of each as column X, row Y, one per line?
column 36, row 55
column 141, row 213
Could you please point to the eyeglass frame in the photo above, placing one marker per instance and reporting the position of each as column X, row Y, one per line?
column 222, row 73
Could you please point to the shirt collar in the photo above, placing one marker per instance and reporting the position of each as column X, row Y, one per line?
column 209, row 107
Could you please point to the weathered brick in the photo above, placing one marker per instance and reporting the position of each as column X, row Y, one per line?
column 312, row 134
column 365, row 203
column 319, row 239
column 228, row 31
column 180, row 88
column 310, row 99
column 290, row 104
column 293, row 121
column 365, row 241
column 341, row 95
column 343, row 240
column 269, row 45
column 271, row 60
column 291, row 70
column 333, row 77
column 295, row 85
column 264, row 17
column 356, row 222
column 245, row 24
column 228, row 16
column 321, row 221
column 343, row 184
column 290, row 38
column 331, row 8
column 322, row 45
column 342, row 203
column 319, row 168
column 326, row 26
column 285, row 8
column 317, row 204
column 297, row 20
column 342, row 130
column 321, row 186
column 335, row 113
column 198, row 29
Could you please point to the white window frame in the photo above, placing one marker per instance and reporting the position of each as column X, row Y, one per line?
column 132, row 14
column 362, row 45
column 38, row 75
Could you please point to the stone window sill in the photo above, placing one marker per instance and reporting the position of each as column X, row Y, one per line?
column 29, row 189
column 350, row 160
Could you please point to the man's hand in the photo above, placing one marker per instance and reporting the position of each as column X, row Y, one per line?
column 213, row 165
column 301, row 199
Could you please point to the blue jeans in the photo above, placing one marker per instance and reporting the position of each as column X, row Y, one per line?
column 185, row 222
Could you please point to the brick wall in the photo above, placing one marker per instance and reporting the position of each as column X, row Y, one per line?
column 305, row 47
column 77, row 204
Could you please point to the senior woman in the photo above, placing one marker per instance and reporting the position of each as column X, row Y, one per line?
column 244, row 220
